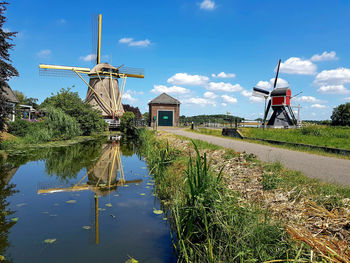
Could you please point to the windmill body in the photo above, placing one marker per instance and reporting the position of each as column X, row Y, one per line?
column 279, row 100
column 106, row 83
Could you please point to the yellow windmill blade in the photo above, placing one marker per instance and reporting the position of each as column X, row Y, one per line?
column 57, row 70
column 132, row 72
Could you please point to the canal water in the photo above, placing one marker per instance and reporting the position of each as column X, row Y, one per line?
column 89, row 202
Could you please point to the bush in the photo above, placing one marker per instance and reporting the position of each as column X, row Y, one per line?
column 19, row 127
column 60, row 125
column 127, row 123
column 71, row 104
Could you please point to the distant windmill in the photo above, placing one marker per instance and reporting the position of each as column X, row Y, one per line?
column 279, row 99
column 104, row 92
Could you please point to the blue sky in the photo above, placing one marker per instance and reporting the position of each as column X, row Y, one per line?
column 184, row 45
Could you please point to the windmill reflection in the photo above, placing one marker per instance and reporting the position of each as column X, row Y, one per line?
column 102, row 178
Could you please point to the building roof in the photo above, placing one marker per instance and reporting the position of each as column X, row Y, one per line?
column 164, row 99
column 9, row 95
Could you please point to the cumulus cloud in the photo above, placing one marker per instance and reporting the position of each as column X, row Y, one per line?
column 207, row 5
column 199, row 101
column 130, row 42
column 186, row 79
column 324, row 56
column 307, row 99
column 318, row 106
column 223, row 86
column 170, row 90
column 298, row 66
column 45, row 53
column 348, row 98
column 127, row 96
column 337, row 76
column 88, row 58
column 264, row 84
column 256, row 99
column 223, row 75
column 210, row 95
column 334, row 89
column 229, row 99
column 281, row 83
column 223, row 104
column 246, row 93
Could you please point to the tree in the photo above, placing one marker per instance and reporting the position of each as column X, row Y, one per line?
column 127, row 123
column 70, row 103
column 135, row 110
column 7, row 71
column 341, row 115
column 23, row 99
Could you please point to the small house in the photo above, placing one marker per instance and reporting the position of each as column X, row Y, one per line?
column 164, row 110
column 11, row 99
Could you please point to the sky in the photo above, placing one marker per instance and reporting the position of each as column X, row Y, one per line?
column 209, row 54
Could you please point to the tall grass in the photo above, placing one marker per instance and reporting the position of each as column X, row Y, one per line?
column 210, row 222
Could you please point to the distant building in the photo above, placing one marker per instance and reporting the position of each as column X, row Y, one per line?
column 11, row 99
column 164, row 110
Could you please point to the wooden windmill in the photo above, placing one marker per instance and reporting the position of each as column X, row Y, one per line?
column 104, row 90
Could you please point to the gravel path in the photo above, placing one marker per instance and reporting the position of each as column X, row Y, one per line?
column 327, row 169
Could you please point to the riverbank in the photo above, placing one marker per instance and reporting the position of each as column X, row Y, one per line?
column 12, row 144
column 228, row 206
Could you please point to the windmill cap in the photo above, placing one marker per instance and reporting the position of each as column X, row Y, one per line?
column 101, row 66
column 281, row 92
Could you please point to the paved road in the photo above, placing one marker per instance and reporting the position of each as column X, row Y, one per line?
column 327, row 169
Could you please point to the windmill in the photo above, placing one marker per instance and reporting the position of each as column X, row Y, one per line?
column 104, row 92
column 279, row 99
column 102, row 179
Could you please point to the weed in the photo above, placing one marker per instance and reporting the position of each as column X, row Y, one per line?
column 270, row 181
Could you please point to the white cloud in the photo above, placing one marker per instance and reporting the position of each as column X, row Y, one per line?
column 318, row 106
column 265, row 84
column 88, row 58
column 256, row 99
column 281, row 83
column 223, row 86
column 223, row 104
column 324, row 56
column 207, row 5
column 130, row 41
column 140, row 43
column 125, row 40
column 246, row 93
column 45, row 53
column 186, row 79
column 210, row 95
column 337, row 76
column 224, row 75
column 170, row 90
column 334, row 89
column 348, row 98
column 6, row 30
column 199, row 101
column 229, row 99
column 127, row 96
column 298, row 66
column 307, row 99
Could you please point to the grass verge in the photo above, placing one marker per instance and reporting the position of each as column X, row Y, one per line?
column 217, row 132
column 211, row 223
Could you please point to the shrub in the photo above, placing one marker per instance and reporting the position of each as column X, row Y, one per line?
column 341, row 115
column 19, row 127
column 60, row 125
column 70, row 103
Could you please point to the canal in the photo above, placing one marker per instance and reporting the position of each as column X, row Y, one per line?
column 89, row 202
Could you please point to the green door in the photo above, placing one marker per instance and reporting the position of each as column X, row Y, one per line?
column 165, row 118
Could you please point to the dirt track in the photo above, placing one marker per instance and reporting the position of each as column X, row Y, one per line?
column 327, row 169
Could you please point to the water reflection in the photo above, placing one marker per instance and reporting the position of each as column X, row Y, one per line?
column 94, row 175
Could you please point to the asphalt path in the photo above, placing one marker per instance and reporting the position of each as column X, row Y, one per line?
column 327, row 169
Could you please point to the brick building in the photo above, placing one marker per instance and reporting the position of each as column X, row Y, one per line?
column 164, row 110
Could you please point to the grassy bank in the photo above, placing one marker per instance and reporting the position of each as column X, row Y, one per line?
column 226, row 211
column 293, row 136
